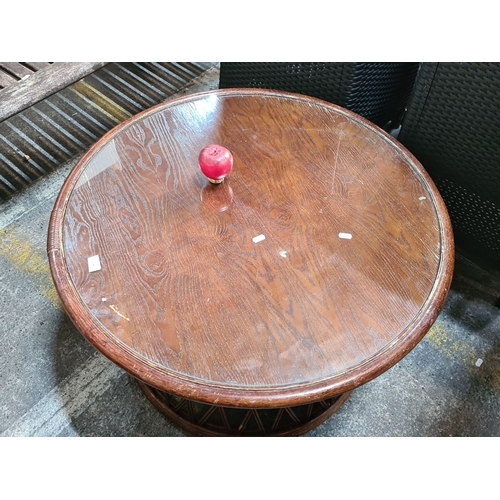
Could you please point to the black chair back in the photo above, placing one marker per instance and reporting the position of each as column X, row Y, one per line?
column 452, row 126
column 376, row 91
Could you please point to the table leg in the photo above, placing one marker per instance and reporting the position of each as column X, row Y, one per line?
column 201, row 419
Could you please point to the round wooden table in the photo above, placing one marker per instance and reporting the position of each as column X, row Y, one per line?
column 252, row 307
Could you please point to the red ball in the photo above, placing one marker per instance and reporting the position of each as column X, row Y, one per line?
column 215, row 162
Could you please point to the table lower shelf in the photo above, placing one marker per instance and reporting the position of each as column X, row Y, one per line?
column 202, row 419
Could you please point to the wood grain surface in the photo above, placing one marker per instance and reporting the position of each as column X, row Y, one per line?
column 354, row 268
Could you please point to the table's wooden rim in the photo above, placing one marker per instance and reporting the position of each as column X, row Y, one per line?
column 189, row 387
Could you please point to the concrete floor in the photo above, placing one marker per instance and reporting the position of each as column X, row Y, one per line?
column 53, row 383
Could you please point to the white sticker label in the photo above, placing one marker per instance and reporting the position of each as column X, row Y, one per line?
column 94, row 263
column 257, row 239
column 345, row 236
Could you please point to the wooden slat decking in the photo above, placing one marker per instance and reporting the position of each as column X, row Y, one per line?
column 13, row 72
column 16, row 69
column 25, row 84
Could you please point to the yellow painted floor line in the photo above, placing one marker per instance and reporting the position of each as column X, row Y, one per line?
column 30, row 262
column 440, row 340
column 100, row 101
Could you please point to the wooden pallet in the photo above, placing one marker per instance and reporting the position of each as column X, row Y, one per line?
column 25, row 84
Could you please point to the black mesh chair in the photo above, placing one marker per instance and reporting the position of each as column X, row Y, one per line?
column 452, row 126
column 376, row 91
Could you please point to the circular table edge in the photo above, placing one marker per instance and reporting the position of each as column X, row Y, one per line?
column 220, row 394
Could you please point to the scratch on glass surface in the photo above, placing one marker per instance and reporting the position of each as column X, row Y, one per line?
column 336, row 163
column 118, row 312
